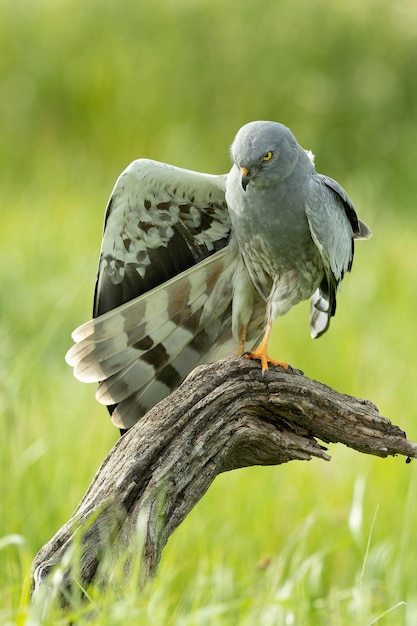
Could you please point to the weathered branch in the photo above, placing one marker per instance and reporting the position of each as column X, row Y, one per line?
column 224, row 416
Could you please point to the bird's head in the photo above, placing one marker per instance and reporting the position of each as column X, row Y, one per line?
column 265, row 153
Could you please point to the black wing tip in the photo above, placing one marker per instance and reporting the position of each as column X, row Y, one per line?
column 363, row 231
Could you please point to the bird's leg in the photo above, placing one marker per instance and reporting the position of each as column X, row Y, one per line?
column 261, row 352
column 242, row 340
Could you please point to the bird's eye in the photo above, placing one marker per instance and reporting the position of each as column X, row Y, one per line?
column 267, row 156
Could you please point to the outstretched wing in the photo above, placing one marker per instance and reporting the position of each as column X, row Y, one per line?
column 164, row 247
column 141, row 351
column 160, row 221
column 329, row 205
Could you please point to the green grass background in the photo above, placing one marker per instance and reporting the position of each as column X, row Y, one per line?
column 86, row 87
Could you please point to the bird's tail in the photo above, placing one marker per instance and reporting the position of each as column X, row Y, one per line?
column 142, row 350
column 322, row 308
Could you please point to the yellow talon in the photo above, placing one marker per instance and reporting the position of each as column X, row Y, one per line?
column 261, row 353
column 264, row 359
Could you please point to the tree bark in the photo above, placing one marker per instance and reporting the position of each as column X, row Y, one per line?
column 223, row 417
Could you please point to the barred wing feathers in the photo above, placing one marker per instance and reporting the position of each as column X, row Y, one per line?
column 165, row 243
column 142, row 350
column 160, row 221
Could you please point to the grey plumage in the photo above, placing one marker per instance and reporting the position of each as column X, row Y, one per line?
column 194, row 267
column 295, row 228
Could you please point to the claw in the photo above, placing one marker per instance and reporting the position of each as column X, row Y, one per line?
column 261, row 353
column 262, row 356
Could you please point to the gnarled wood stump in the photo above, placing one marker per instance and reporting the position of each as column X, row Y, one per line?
column 223, row 417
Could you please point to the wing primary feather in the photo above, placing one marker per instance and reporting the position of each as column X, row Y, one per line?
column 160, row 220
column 123, row 335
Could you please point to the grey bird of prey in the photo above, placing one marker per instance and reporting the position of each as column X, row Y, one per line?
column 194, row 267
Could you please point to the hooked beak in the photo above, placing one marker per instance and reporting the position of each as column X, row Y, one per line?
column 245, row 177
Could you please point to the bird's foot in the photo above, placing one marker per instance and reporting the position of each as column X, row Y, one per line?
column 262, row 356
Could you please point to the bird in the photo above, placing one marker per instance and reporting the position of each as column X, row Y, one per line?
column 194, row 267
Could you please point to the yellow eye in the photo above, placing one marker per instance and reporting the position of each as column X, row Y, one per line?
column 267, row 156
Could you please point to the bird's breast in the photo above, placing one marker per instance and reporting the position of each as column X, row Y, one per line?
column 277, row 220
column 273, row 235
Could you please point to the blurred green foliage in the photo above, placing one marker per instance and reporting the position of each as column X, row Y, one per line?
column 85, row 88
column 90, row 86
